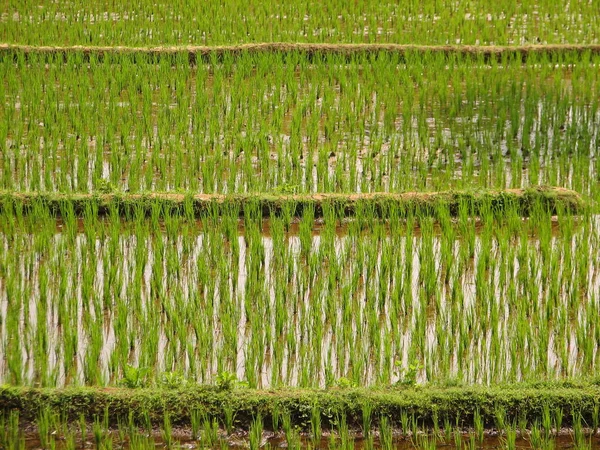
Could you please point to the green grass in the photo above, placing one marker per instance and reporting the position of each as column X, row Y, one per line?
column 429, row 415
column 383, row 204
column 459, row 406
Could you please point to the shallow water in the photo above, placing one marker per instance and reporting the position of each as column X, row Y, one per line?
column 160, row 23
column 299, row 308
column 305, row 131
column 240, row 440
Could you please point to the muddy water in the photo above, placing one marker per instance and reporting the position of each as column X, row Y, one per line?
column 510, row 170
column 263, row 307
column 240, row 440
column 367, row 150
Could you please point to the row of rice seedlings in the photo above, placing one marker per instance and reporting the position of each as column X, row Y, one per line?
column 277, row 122
column 99, row 302
column 184, row 22
column 52, row 431
column 380, row 430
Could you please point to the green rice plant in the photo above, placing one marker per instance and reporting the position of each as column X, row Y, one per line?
column 547, row 421
column 369, row 442
column 425, row 442
column 195, row 423
column 167, row 429
column 447, row 434
column 478, row 24
column 414, row 425
column 101, row 434
column 70, row 441
column 595, row 417
column 458, row 438
column 436, row 425
column 579, row 436
column 147, row 170
column 210, row 298
column 83, row 427
column 509, row 440
column 147, row 421
column 558, row 417
column 315, row 423
column 172, row 380
column 522, row 424
column 404, row 422
column 500, row 418
column 479, row 426
column 134, row 377
column 139, row 441
column 367, row 421
column 346, row 441
column 292, row 435
column 11, row 435
column 385, row 433
column 535, row 436
column 44, row 427
column 256, row 431
column 228, row 417
column 210, row 431
column 122, row 430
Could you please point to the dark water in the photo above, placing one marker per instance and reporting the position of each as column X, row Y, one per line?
column 182, row 438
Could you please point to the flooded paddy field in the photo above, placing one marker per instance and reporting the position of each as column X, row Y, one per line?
column 279, row 123
column 183, row 439
column 306, row 304
column 162, row 329
column 233, row 21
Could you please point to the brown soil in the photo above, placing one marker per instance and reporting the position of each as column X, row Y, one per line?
column 202, row 52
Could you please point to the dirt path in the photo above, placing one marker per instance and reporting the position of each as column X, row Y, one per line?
column 419, row 203
column 196, row 53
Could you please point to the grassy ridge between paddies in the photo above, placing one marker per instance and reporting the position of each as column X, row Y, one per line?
column 426, row 404
column 551, row 199
column 196, row 53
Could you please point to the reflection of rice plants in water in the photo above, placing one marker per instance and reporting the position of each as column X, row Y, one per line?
column 373, row 302
column 129, row 434
column 280, row 122
column 279, row 316
column 529, row 22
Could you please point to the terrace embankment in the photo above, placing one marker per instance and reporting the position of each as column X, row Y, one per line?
column 474, row 203
column 208, row 53
column 426, row 404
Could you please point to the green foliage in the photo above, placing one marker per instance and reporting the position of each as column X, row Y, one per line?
column 135, row 377
column 343, row 409
column 471, row 276
column 407, row 376
column 104, row 186
column 286, row 188
column 226, row 381
column 345, row 383
column 172, row 380
column 458, row 283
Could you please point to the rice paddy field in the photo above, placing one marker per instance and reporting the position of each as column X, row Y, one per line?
column 280, row 122
column 181, row 22
column 354, row 319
